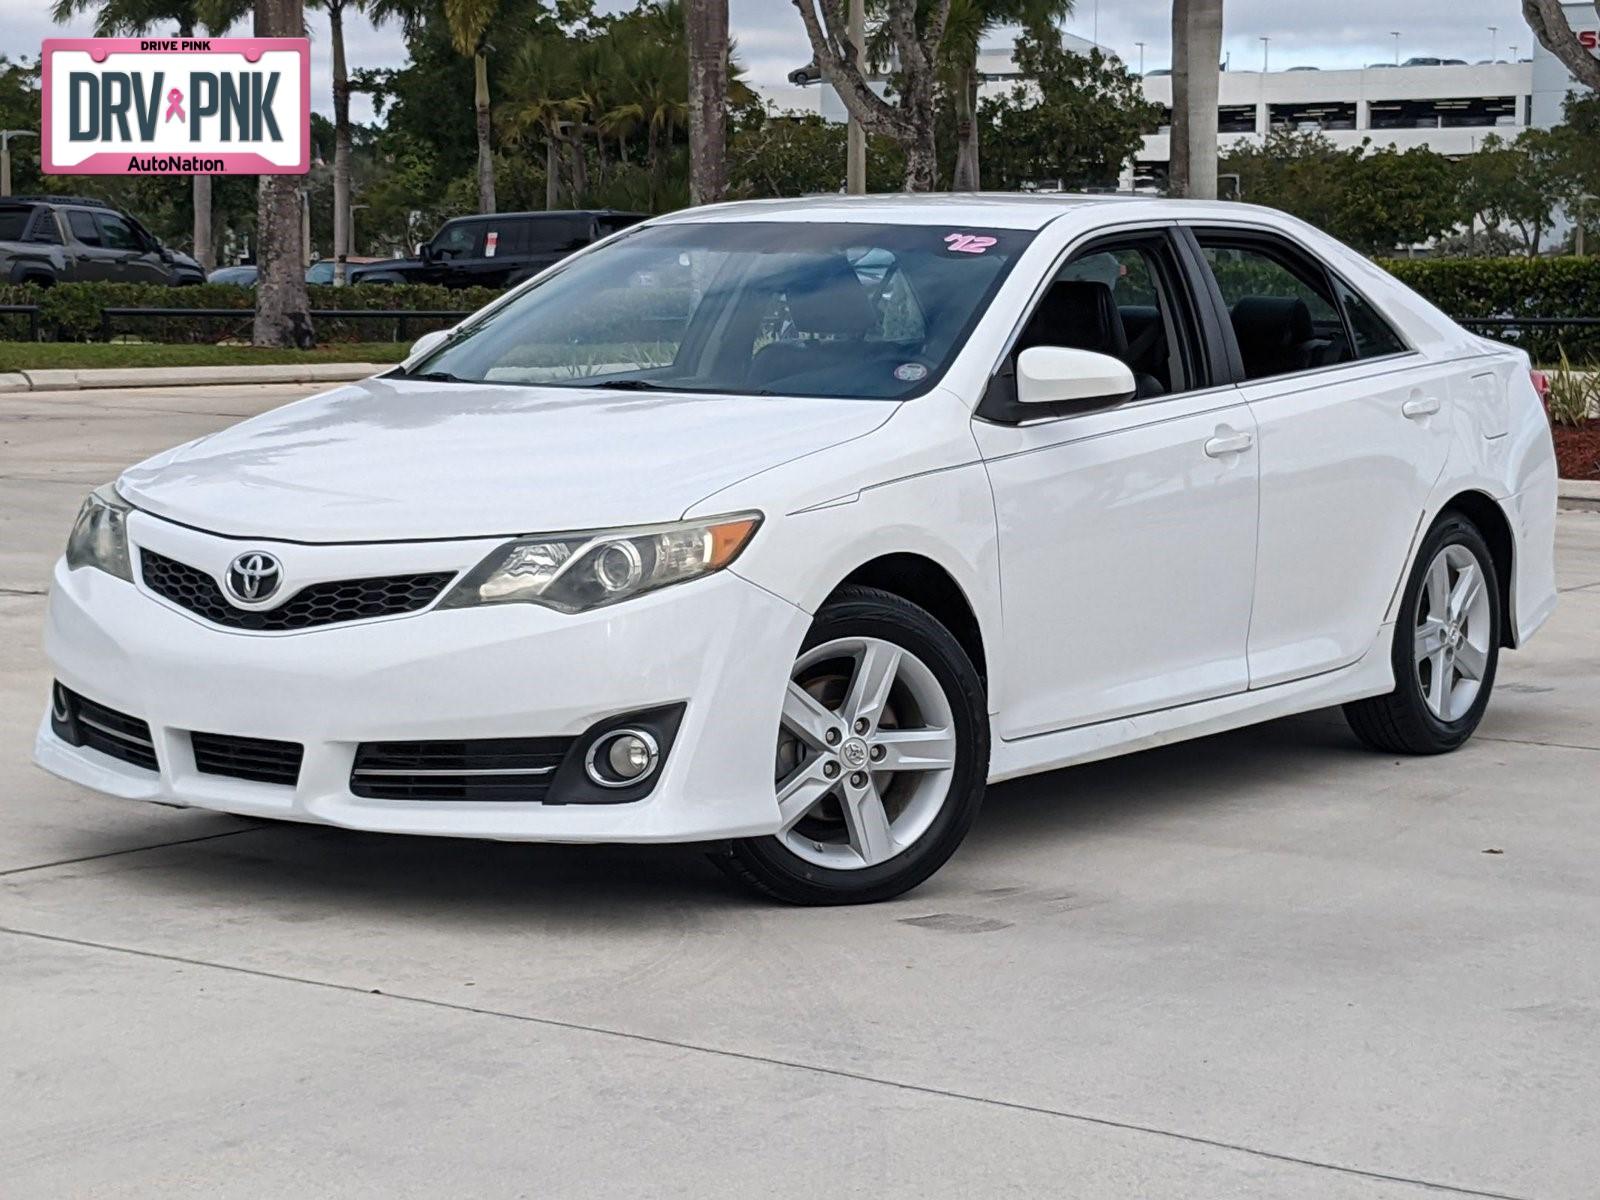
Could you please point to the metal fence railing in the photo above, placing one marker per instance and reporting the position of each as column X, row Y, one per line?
column 401, row 317
column 30, row 311
column 1544, row 338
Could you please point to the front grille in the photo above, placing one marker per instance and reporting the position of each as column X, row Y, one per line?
column 79, row 721
column 257, row 759
column 317, row 604
column 516, row 769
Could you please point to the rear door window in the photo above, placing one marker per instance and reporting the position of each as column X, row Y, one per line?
column 83, row 227
column 1281, row 304
column 1374, row 337
column 553, row 235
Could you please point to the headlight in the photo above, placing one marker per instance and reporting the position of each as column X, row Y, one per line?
column 578, row 571
column 100, row 536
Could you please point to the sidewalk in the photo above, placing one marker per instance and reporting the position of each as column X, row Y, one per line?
column 58, row 380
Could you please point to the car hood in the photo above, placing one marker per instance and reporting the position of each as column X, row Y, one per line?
column 390, row 459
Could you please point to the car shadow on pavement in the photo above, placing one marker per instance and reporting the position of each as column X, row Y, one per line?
column 301, row 871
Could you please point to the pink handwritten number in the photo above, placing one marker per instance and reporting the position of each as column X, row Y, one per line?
column 969, row 243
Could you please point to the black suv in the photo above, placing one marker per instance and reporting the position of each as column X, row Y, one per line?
column 71, row 239
column 497, row 250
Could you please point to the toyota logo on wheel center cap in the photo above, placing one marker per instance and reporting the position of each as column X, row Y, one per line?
column 254, row 577
column 854, row 753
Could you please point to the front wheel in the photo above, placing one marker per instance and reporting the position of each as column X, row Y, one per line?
column 1446, row 648
column 882, row 754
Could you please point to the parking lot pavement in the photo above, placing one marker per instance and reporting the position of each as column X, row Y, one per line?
column 1265, row 964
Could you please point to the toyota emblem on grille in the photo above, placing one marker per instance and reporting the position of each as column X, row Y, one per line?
column 254, row 577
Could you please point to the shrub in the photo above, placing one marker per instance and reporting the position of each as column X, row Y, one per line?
column 1573, row 395
column 71, row 311
column 1513, row 287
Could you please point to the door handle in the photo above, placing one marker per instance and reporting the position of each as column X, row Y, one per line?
column 1418, row 407
column 1226, row 443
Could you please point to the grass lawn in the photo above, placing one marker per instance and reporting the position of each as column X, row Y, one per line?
column 39, row 356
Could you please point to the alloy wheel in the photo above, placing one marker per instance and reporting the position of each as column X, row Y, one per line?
column 1453, row 628
column 866, row 752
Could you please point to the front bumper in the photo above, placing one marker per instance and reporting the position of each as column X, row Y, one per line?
column 721, row 645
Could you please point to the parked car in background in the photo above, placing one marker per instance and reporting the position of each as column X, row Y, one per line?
column 910, row 495
column 498, row 250
column 74, row 239
column 320, row 272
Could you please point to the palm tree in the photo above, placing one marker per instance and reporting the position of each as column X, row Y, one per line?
column 970, row 22
column 1196, row 51
column 545, row 103
column 469, row 22
column 283, row 313
column 708, row 100
column 133, row 18
column 1550, row 25
column 341, row 131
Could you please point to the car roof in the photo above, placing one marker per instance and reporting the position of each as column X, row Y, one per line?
column 543, row 214
column 999, row 210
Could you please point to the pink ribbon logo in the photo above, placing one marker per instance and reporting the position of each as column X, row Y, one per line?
column 175, row 105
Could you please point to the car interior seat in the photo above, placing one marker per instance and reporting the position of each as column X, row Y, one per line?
column 1082, row 314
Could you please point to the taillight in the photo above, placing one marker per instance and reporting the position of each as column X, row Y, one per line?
column 1541, row 384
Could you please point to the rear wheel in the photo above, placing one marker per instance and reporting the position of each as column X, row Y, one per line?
column 1446, row 648
column 882, row 753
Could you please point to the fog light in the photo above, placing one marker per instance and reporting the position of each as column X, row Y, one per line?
column 621, row 757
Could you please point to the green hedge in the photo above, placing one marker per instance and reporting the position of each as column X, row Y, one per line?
column 70, row 312
column 1513, row 287
column 1462, row 287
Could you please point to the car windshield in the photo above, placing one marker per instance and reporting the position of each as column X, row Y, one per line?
column 766, row 308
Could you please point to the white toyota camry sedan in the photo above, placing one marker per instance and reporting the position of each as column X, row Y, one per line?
column 786, row 527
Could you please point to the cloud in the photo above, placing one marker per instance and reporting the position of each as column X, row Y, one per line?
column 771, row 41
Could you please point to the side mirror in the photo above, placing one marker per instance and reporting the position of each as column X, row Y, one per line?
column 1058, row 375
column 424, row 251
column 427, row 343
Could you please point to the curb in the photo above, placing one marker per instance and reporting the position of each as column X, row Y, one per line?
column 145, row 377
column 1578, row 495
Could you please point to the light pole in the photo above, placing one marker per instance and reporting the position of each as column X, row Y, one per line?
column 855, row 163
column 1141, row 57
column 1266, row 44
column 1395, row 34
column 1493, row 29
column 5, row 156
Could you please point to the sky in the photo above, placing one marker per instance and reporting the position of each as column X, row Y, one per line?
column 771, row 42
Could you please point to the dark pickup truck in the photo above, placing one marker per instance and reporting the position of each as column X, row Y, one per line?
column 497, row 250
column 71, row 239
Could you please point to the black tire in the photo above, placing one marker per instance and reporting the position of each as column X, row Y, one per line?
column 1402, row 722
column 767, row 865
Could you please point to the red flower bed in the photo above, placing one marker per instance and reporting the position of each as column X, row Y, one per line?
column 1578, row 449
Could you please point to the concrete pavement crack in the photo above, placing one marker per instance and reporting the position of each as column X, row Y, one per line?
column 67, row 862
column 772, row 1061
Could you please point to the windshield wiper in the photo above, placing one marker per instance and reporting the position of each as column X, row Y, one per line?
column 440, row 377
column 634, row 385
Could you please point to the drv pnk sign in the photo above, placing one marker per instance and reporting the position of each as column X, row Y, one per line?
column 177, row 106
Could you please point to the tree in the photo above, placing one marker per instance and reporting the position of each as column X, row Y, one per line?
column 1516, row 183
column 1196, row 51
column 915, row 31
column 708, row 100
column 1079, row 121
column 1391, row 199
column 1550, row 25
column 132, row 18
column 283, row 316
column 469, row 22
column 971, row 21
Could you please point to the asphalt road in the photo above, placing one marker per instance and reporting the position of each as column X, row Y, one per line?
column 1266, row 964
